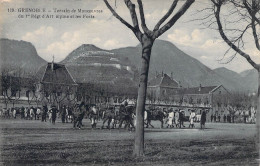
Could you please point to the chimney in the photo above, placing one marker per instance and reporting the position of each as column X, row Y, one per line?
column 200, row 88
column 171, row 75
column 52, row 64
column 180, row 84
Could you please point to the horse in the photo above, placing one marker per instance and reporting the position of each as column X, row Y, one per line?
column 109, row 115
column 182, row 119
column 154, row 115
column 126, row 115
column 78, row 115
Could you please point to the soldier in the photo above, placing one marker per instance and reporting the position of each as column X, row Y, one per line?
column 215, row 118
column 203, row 120
column 44, row 113
column 93, row 116
column 181, row 118
column 31, row 113
column 14, row 113
column 38, row 112
column 176, row 118
column 170, row 118
column 35, row 113
column 53, row 113
column 63, row 113
column 22, row 112
column 192, row 116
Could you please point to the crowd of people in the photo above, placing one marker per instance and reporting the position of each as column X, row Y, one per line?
column 118, row 115
column 37, row 113
column 177, row 118
column 235, row 116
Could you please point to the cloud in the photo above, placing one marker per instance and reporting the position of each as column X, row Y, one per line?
column 2, row 1
column 39, row 34
column 204, row 57
column 111, row 43
column 186, row 38
column 60, row 49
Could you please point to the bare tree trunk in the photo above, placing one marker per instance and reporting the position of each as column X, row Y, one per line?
column 139, row 133
column 258, row 118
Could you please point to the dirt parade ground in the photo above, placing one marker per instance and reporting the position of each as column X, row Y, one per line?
column 32, row 142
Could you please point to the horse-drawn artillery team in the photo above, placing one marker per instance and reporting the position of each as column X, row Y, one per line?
column 111, row 116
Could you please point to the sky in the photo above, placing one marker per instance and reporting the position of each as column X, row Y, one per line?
column 59, row 36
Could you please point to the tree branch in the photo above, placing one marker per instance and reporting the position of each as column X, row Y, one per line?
column 252, row 11
column 143, row 24
column 157, row 26
column 255, row 35
column 135, row 30
column 117, row 16
column 173, row 20
column 225, row 38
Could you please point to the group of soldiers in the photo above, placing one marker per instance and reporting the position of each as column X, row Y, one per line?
column 30, row 113
column 177, row 118
column 76, row 113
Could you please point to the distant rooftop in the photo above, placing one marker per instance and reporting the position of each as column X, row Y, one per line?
column 163, row 81
column 55, row 73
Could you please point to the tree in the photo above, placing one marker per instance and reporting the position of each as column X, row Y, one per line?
column 146, row 38
column 11, row 85
column 245, row 21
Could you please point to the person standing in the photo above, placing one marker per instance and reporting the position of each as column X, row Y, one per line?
column 93, row 116
column 215, row 118
column 35, row 113
column 14, row 113
column 191, row 118
column 22, row 112
column 8, row 113
column 219, row 118
column 170, row 118
column 211, row 117
column 53, row 113
column 44, row 113
column 67, row 114
column 63, row 113
column 26, row 113
column 176, row 118
column 38, row 112
column 181, row 118
column 31, row 113
column 203, row 120
column 50, row 115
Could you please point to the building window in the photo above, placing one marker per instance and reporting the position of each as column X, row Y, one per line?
column 219, row 92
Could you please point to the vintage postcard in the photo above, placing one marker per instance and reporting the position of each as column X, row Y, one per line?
column 129, row 82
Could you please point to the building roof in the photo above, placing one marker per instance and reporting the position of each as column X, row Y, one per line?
column 55, row 73
column 197, row 90
column 164, row 81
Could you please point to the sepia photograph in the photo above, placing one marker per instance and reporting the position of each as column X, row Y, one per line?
column 130, row 82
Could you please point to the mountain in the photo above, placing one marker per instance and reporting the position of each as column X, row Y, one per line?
column 250, row 78
column 187, row 70
column 234, row 78
column 19, row 55
column 97, row 65
column 88, row 63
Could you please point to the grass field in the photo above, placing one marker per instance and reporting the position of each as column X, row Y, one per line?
column 25, row 142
